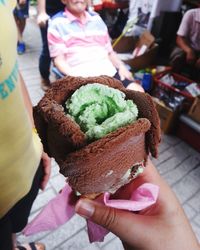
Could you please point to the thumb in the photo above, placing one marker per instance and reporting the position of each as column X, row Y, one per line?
column 122, row 223
column 122, row 77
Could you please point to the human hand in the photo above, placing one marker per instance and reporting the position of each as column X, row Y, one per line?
column 190, row 57
column 135, row 86
column 162, row 226
column 22, row 3
column 46, row 162
column 42, row 19
column 124, row 73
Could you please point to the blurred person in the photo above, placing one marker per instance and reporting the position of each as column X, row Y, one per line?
column 187, row 50
column 24, row 167
column 162, row 226
column 46, row 9
column 80, row 45
column 21, row 13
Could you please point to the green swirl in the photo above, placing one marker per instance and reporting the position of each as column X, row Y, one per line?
column 99, row 110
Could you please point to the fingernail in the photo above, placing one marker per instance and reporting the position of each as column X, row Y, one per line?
column 84, row 208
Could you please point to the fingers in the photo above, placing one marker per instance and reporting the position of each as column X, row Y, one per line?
column 135, row 87
column 46, row 161
column 134, row 229
column 42, row 19
column 122, row 78
column 122, row 223
column 124, row 73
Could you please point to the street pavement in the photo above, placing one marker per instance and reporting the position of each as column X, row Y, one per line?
column 178, row 163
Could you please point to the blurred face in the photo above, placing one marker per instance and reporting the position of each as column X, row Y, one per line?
column 76, row 7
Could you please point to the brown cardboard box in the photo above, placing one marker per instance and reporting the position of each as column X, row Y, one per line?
column 194, row 111
column 146, row 39
column 128, row 44
column 167, row 116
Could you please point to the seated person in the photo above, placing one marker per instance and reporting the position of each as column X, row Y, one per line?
column 187, row 52
column 80, row 45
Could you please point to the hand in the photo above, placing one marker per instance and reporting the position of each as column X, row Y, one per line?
column 124, row 73
column 46, row 161
column 190, row 57
column 135, row 86
column 22, row 3
column 42, row 19
column 162, row 226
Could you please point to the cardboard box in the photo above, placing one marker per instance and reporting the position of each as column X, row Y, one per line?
column 168, row 117
column 128, row 44
column 194, row 111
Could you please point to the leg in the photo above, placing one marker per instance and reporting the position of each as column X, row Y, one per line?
column 21, row 23
column 23, row 207
column 31, row 246
column 19, row 214
column 177, row 59
column 45, row 60
column 20, row 14
column 5, row 233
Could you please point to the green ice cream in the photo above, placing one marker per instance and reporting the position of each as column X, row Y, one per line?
column 99, row 109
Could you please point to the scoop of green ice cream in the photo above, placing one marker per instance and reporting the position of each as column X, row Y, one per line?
column 99, row 109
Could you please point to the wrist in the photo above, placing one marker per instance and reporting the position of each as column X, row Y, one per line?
column 189, row 51
column 120, row 65
column 42, row 13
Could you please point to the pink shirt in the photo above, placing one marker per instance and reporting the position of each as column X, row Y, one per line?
column 86, row 46
column 190, row 28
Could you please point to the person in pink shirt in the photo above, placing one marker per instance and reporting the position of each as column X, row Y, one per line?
column 187, row 51
column 80, row 45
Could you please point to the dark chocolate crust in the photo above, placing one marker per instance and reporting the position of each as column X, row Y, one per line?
column 88, row 166
column 106, row 161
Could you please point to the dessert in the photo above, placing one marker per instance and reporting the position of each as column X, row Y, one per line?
column 99, row 133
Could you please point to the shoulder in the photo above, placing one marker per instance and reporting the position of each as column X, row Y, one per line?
column 60, row 14
column 193, row 11
column 191, row 14
column 196, row 14
column 95, row 17
column 58, row 20
column 92, row 13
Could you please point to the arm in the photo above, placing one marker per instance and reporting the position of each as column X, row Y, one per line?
column 184, row 45
column 61, row 65
column 57, row 47
column 117, row 63
column 122, row 70
column 183, row 36
column 45, row 159
column 22, row 2
column 42, row 17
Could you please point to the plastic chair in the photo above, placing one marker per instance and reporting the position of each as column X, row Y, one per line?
column 57, row 73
